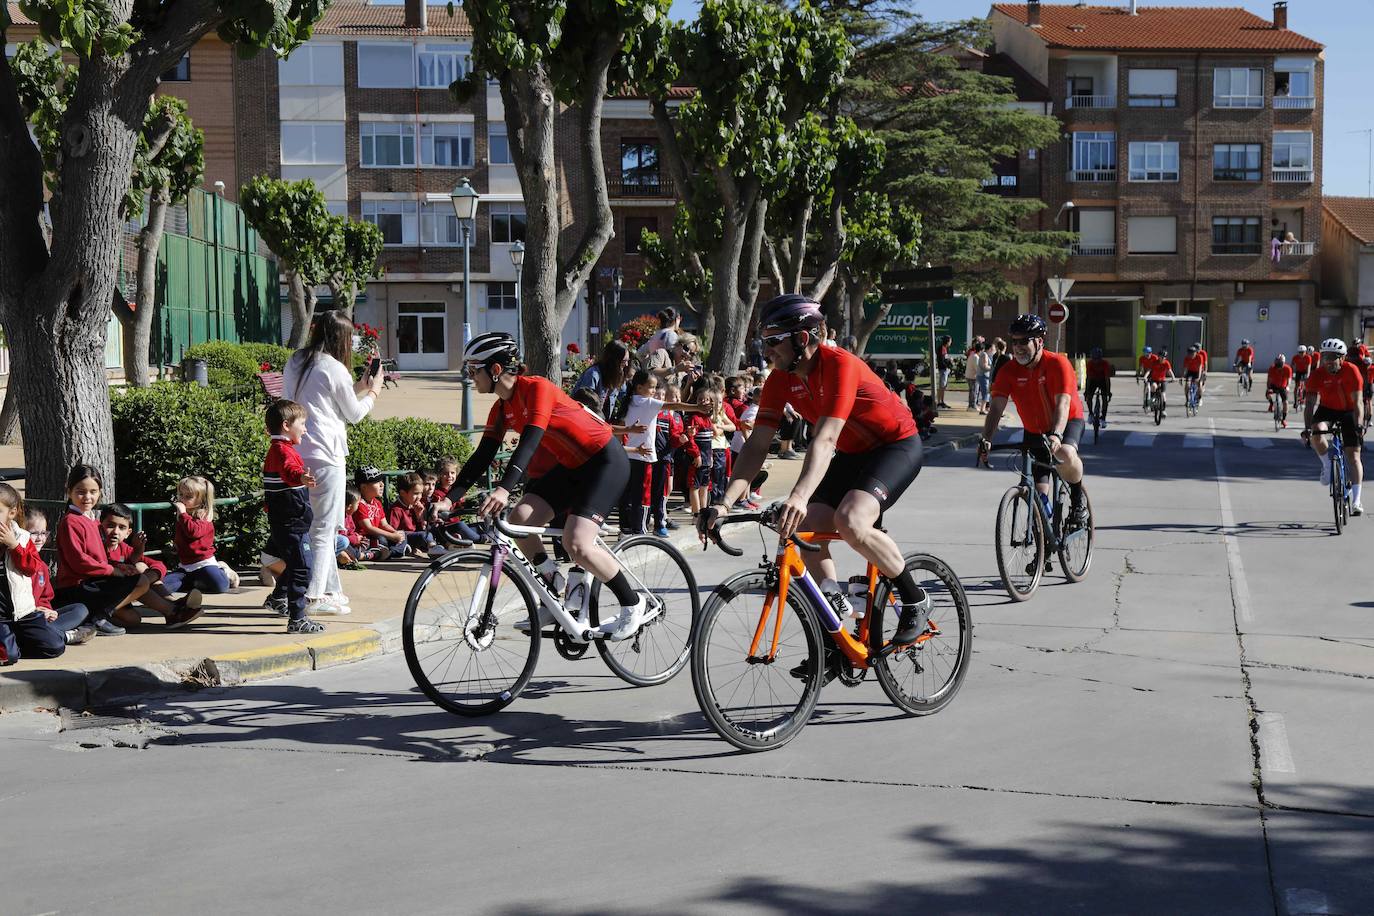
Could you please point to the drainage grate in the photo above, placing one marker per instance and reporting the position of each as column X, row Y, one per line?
column 99, row 717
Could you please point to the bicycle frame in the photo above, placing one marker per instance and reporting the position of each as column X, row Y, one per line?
column 790, row 568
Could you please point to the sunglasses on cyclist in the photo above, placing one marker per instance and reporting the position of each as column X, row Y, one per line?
column 772, row 340
column 471, row 369
column 1021, row 341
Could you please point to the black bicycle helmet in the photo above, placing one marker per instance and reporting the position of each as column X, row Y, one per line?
column 492, row 347
column 791, row 312
column 1028, row 326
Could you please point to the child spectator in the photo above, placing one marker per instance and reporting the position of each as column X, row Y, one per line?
column 721, row 428
column 25, row 629
column 703, row 432
column 370, row 516
column 86, row 576
column 285, row 481
column 193, row 536
column 408, row 516
column 124, row 545
column 642, row 412
column 71, row 619
column 670, row 436
column 353, row 547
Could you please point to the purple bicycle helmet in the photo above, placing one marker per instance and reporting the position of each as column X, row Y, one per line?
column 791, row 312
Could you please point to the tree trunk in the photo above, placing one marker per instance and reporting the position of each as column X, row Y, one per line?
column 865, row 324
column 301, row 302
column 138, row 321
column 9, row 415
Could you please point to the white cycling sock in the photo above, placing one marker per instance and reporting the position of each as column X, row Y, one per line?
column 1355, row 493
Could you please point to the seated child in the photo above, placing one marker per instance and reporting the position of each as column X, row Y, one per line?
column 370, row 516
column 71, row 619
column 123, row 545
column 194, row 539
column 407, row 516
column 24, row 629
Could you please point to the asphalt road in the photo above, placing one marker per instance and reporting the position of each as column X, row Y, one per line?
column 1187, row 731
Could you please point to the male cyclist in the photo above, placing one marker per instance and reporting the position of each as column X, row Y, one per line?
column 865, row 451
column 1358, row 349
column 1333, row 396
column 1142, row 371
column 1043, row 386
column 1099, row 378
column 1276, row 389
column 1302, row 365
column 1161, row 374
column 1194, row 370
column 586, row 469
column 1202, row 380
column 1244, row 363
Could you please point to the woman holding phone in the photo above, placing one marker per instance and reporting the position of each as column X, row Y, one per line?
column 317, row 377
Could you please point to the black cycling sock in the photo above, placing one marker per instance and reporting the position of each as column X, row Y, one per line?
column 624, row 592
column 539, row 559
column 906, row 587
column 1076, row 494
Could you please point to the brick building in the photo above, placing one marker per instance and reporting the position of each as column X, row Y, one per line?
column 1347, row 262
column 1192, row 143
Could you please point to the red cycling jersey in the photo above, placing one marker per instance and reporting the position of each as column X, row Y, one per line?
column 1280, row 376
column 1194, row 363
column 839, row 384
column 1161, row 370
column 1034, row 389
column 1147, row 362
column 1245, row 355
column 1338, row 390
column 1302, row 363
column 572, row 434
column 1099, row 370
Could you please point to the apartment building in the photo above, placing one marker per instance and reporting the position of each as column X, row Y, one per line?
column 1190, row 169
column 1347, row 261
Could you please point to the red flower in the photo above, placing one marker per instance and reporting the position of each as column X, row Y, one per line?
column 265, row 367
column 574, row 349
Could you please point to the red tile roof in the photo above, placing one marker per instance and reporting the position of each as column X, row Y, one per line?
column 1158, row 28
column 1356, row 214
column 365, row 19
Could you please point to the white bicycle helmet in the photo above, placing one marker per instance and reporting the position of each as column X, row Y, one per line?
column 492, row 347
column 1333, row 345
column 1302, row 348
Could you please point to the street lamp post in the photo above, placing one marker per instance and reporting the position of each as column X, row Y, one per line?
column 617, row 281
column 517, row 257
column 464, row 200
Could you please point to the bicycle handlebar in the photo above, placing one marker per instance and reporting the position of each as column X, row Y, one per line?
column 1025, row 446
column 767, row 518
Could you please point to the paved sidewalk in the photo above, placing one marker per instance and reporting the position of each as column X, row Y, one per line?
column 236, row 640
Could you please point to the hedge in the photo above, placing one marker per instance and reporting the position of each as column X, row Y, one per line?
column 231, row 367
column 420, row 443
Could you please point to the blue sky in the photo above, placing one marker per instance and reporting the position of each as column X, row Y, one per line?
column 1346, row 27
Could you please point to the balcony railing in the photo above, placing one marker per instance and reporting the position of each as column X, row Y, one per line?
column 1093, row 249
column 1152, row 101
column 1092, row 175
column 1293, row 175
column 1090, row 101
column 1298, row 249
column 1295, row 101
column 660, row 186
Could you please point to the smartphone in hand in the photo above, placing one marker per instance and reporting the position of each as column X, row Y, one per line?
column 374, row 368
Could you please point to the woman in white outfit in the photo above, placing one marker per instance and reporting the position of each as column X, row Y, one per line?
column 318, row 377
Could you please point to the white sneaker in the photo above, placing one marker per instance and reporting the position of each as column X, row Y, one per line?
column 323, row 607
column 1357, row 509
column 627, row 623
column 338, row 598
column 267, row 577
column 545, row 618
column 1326, row 473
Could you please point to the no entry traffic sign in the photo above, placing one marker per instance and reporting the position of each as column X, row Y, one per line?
column 1057, row 312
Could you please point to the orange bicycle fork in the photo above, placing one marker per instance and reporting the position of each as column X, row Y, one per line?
column 790, row 568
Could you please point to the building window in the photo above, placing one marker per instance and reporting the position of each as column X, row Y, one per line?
column 1154, row 162
column 181, row 73
column 1294, row 83
column 636, row 226
column 1236, row 235
column 312, row 143
column 1239, row 87
column 507, row 223
column 1236, row 161
column 438, row 225
column 438, row 66
column 312, row 65
column 501, row 296
column 639, row 162
column 1292, row 155
column 446, row 145
column 1094, row 155
column 1152, row 235
column 498, row 144
column 396, row 218
column 387, row 144
column 1152, row 88
column 386, row 65
column 1096, row 231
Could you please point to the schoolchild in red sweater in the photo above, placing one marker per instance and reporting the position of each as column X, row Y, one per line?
column 85, row 574
column 370, row 516
column 71, row 619
column 408, row 516
column 25, row 629
column 194, row 538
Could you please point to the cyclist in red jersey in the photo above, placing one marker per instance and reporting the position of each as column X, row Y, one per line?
column 1334, row 396
column 1161, row 373
column 1142, row 371
column 1044, row 388
column 1302, row 365
column 1280, row 374
column 1358, row 350
column 1244, row 363
column 1099, row 374
column 586, row 469
column 1195, row 369
column 865, row 451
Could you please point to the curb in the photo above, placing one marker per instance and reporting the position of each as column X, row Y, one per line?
column 83, row 689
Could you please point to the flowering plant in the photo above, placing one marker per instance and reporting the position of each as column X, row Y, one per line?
column 637, row 330
column 574, row 349
column 367, row 338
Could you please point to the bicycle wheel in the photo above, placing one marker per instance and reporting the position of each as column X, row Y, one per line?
column 757, row 705
column 1159, row 409
column 1337, row 493
column 459, row 637
column 1097, row 412
column 922, row 678
column 1020, row 543
column 660, row 649
column 1076, row 546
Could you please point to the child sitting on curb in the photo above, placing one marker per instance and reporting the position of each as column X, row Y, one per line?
column 71, row 619
column 194, row 539
column 407, row 516
column 370, row 516
column 24, row 628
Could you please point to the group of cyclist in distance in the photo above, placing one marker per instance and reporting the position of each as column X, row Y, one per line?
column 865, row 452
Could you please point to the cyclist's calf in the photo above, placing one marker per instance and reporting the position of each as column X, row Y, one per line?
column 856, row 519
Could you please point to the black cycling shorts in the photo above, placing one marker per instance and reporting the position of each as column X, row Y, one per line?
column 1275, row 389
column 1094, row 384
column 1192, row 377
column 1344, row 420
column 1073, row 434
column 588, row 490
column 885, row 472
column 1299, row 376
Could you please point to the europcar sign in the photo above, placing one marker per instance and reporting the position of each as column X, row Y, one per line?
column 905, row 331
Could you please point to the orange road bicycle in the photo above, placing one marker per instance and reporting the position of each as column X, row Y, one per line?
column 758, row 670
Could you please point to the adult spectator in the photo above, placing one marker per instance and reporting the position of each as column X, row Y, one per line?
column 851, row 343
column 829, row 339
column 680, row 364
column 984, row 378
column 971, row 373
column 318, row 378
column 665, row 338
column 606, row 377
column 1000, row 357
column 942, row 366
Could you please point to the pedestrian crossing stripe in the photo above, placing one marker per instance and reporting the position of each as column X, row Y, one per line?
column 1197, row 440
column 1140, row 440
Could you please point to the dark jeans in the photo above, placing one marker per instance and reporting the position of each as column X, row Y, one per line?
column 419, row 541
column 658, row 491
column 100, row 595
column 632, row 500
column 720, row 475
column 211, row 580
column 35, row 637
column 293, row 548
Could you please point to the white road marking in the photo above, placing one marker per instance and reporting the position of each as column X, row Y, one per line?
column 1258, row 442
column 1140, row 440
column 1275, row 755
column 1304, row 901
column 1197, row 440
column 1240, row 588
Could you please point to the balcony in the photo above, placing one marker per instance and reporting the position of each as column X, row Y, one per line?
column 1295, row 101
column 1297, row 249
column 1292, row 176
column 1092, row 175
column 648, row 186
column 1093, row 249
column 1098, row 102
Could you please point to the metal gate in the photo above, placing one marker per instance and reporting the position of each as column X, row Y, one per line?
column 1270, row 325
